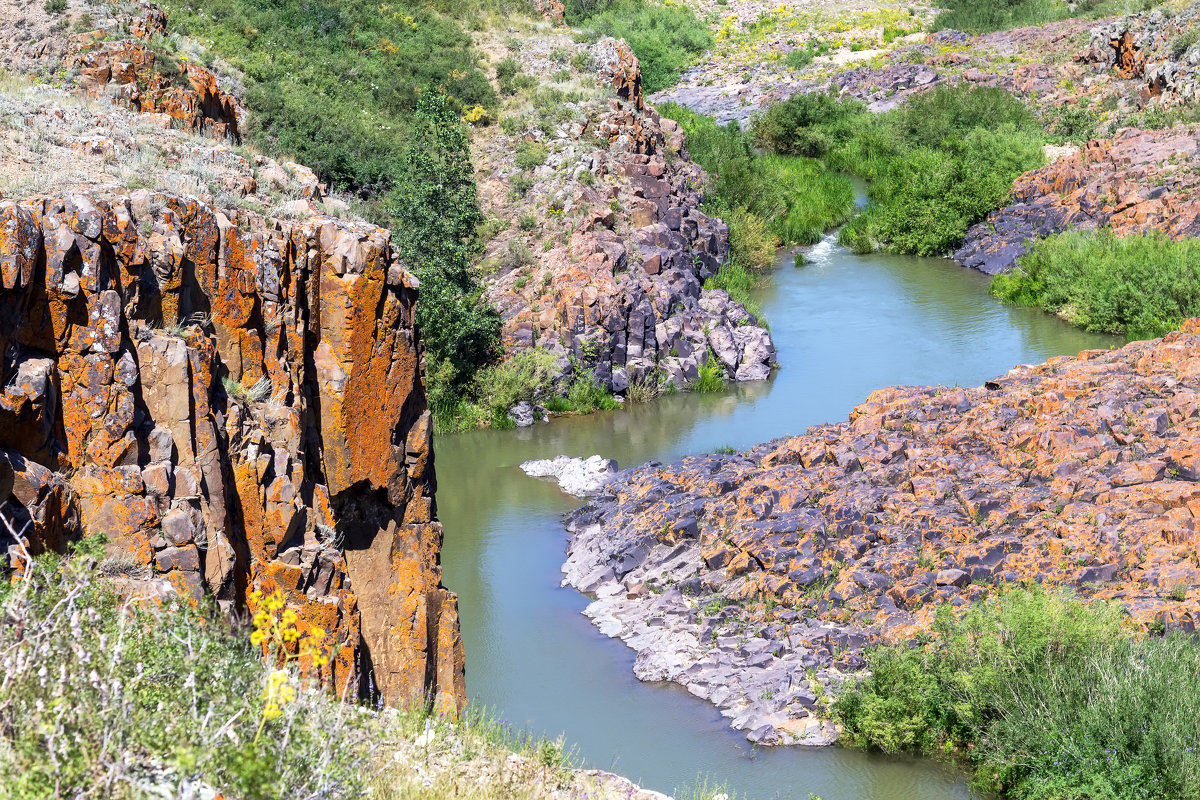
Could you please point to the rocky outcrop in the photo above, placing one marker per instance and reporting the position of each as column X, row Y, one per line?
column 582, row 477
column 619, row 289
column 1136, row 182
column 152, row 83
column 755, row 579
column 236, row 402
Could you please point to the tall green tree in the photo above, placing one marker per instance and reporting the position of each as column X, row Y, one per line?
column 435, row 213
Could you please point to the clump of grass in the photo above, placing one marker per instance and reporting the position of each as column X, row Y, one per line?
column 739, row 283
column 711, row 377
column 254, row 393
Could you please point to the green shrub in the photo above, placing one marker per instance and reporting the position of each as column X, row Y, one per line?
column 752, row 245
column 55, row 6
column 362, row 65
column 808, row 124
column 1140, row 286
column 711, row 377
column 531, row 154
column 925, row 200
column 937, row 165
column 795, row 198
column 525, row 376
column 667, row 39
column 587, row 395
column 440, row 212
column 1046, row 696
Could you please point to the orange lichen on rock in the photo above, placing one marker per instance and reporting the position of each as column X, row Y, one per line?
column 235, row 402
column 1081, row 472
column 150, row 82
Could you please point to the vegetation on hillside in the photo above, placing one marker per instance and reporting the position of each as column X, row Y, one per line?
column 372, row 97
column 974, row 16
column 437, row 211
column 936, row 165
column 1140, row 286
column 666, row 37
column 107, row 693
column 1045, row 696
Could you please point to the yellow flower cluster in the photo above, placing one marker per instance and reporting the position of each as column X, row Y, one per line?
column 474, row 115
column 277, row 631
column 279, row 692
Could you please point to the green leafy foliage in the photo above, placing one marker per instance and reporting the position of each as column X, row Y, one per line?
column 1141, row 286
column 667, row 39
column 793, row 199
column 335, row 84
column 438, row 211
column 937, row 165
column 1046, row 696
column 808, row 124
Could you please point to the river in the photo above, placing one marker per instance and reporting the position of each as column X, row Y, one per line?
column 844, row 325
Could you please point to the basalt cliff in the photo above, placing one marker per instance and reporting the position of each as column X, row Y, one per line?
column 224, row 381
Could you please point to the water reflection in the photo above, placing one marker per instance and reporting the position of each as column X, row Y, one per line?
column 844, row 325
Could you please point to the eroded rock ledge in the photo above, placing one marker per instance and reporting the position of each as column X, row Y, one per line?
column 235, row 402
column 755, row 579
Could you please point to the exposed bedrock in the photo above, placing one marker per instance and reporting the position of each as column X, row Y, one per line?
column 755, row 580
column 234, row 402
column 1136, row 182
column 622, row 295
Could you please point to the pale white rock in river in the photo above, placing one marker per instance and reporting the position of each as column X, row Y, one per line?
column 582, row 477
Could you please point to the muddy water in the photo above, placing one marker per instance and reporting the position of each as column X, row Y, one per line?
column 844, row 325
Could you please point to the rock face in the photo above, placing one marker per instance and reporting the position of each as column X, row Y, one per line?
column 754, row 580
column 1136, row 182
column 235, row 402
column 619, row 290
column 179, row 91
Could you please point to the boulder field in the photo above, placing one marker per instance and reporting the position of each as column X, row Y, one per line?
column 755, row 580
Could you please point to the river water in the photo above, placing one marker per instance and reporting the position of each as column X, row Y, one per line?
column 844, row 325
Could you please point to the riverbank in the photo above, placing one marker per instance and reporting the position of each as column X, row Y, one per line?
column 856, row 321
column 730, row 574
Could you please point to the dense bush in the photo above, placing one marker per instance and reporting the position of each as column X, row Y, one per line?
column 1047, row 697
column 437, row 215
column 975, row 16
column 936, row 165
column 335, row 84
column 666, row 38
column 808, row 124
column 796, row 199
column 1141, row 286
